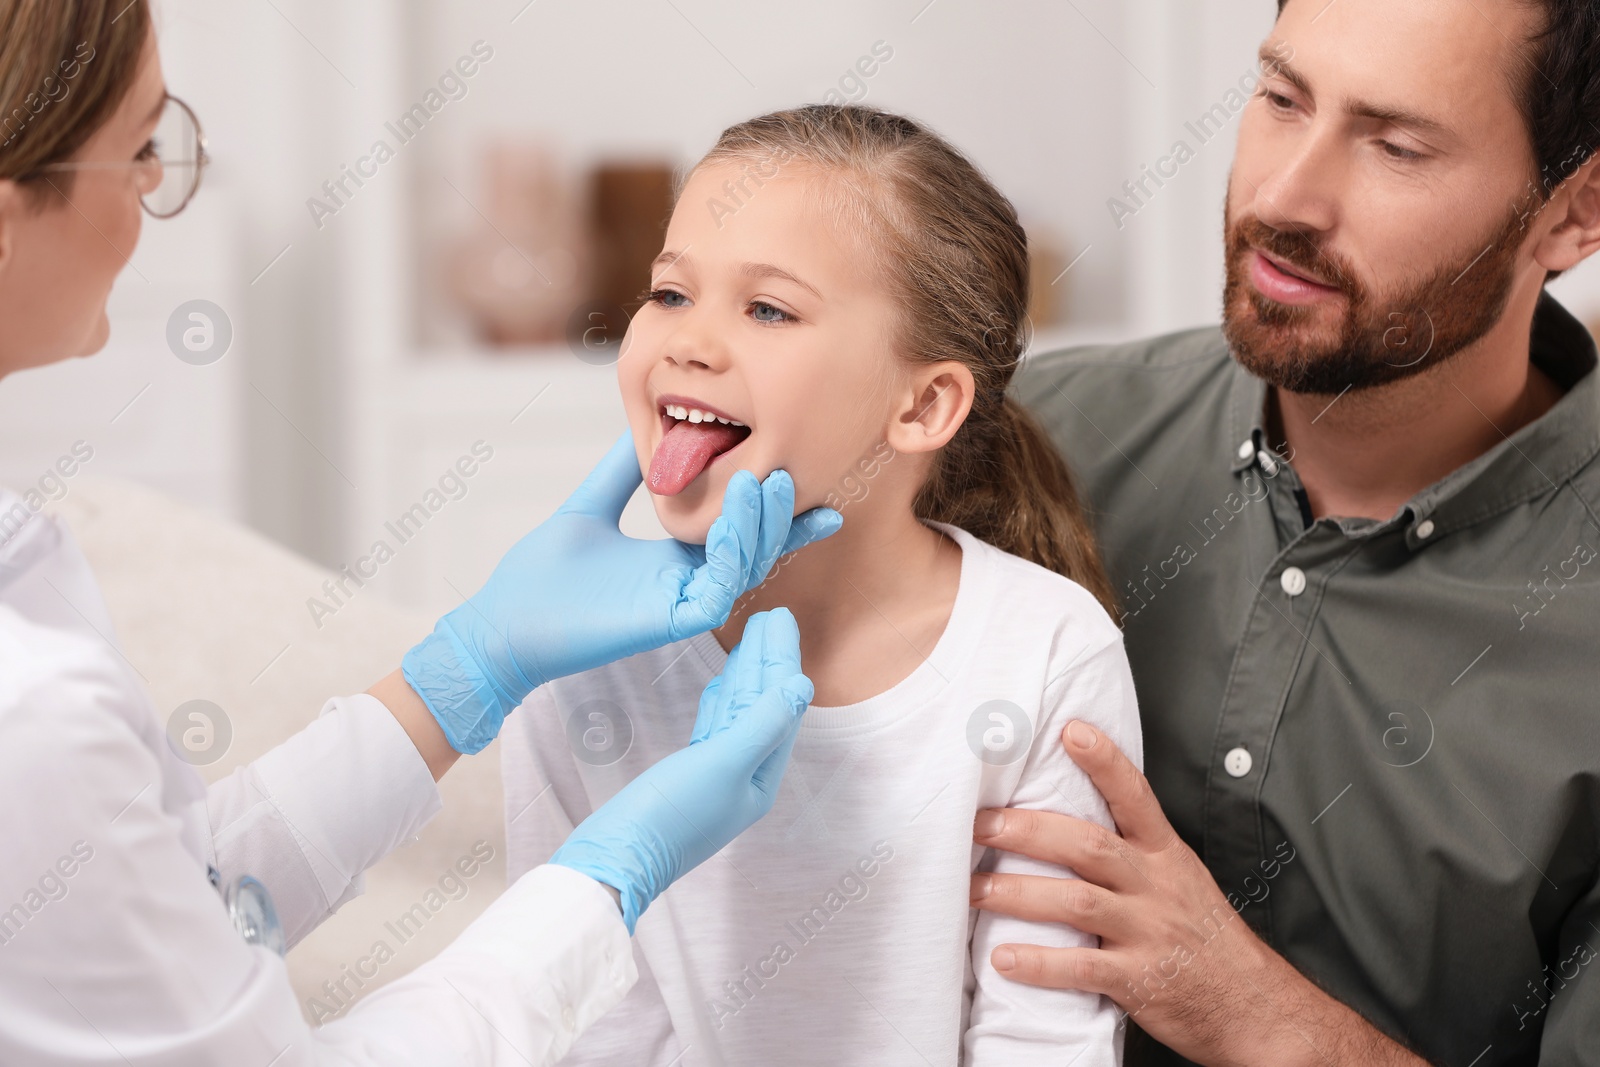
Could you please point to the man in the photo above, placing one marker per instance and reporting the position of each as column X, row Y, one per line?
column 1355, row 534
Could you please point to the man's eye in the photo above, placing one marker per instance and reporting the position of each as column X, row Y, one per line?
column 668, row 298
column 1394, row 151
column 764, row 312
column 1278, row 101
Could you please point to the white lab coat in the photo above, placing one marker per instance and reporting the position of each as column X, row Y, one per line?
column 115, row 948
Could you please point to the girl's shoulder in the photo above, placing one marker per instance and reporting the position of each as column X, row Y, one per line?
column 1045, row 644
column 1021, row 596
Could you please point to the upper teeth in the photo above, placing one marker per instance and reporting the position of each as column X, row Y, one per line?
column 678, row 411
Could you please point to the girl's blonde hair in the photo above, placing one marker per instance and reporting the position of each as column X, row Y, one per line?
column 956, row 259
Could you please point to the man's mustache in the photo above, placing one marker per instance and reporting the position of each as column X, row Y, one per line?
column 1299, row 250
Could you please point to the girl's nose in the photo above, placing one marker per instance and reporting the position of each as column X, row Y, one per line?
column 697, row 345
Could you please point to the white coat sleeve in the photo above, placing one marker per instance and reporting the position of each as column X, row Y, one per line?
column 1014, row 1024
column 535, row 970
column 309, row 817
column 114, row 948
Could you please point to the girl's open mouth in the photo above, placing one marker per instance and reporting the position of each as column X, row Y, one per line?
column 693, row 435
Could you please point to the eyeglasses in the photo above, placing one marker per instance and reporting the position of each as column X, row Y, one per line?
column 168, row 170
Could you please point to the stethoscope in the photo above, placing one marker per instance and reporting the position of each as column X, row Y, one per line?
column 250, row 909
column 247, row 900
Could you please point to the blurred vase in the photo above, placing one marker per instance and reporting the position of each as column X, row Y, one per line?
column 525, row 264
column 1048, row 280
column 630, row 205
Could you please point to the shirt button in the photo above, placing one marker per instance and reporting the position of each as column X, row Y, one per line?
column 568, row 1019
column 1294, row 583
column 1246, row 449
column 1237, row 762
column 1268, row 464
column 1425, row 529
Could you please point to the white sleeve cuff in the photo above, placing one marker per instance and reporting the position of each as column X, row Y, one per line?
column 541, row 965
column 350, row 787
column 560, row 936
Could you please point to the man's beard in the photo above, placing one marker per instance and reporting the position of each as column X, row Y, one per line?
column 1383, row 337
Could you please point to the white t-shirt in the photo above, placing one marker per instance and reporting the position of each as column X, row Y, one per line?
column 837, row 929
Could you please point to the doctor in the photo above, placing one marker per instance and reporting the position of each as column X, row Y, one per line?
column 115, row 944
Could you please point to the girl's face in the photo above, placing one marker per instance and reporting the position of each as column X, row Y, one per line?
column 762, row 312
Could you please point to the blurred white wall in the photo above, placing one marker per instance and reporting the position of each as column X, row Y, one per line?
column 328, row 414
column 1029, row 90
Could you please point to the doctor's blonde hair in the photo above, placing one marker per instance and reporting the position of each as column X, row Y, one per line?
column 956, row 259
column 65, row 66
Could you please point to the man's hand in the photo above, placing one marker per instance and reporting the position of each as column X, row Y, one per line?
column 1174, row 954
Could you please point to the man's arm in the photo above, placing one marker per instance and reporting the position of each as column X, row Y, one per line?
column 1571, row 1002
column 1173, row 952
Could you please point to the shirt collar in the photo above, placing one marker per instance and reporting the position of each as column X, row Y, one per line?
column 1533, row 461
column 26, row 536
column 1247, row 409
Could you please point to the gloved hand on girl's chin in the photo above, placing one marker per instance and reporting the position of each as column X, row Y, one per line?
column 577, row 593
column 684, row 809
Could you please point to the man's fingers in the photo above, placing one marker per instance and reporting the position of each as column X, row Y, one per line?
column 609, row 487
column 1093, row 852
column 1133, row 803
column 1088, row 969
column 1034, row 898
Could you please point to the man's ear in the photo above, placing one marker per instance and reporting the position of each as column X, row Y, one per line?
column 1575, row 232
column 934, row 404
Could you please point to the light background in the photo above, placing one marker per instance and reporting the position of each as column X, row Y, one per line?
column 334, row 411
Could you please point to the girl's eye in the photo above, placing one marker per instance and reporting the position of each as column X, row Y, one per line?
column 150, row 151
column 668, row 298
column 764, row 312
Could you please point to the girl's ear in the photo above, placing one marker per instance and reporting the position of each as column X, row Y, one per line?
column 935, row 404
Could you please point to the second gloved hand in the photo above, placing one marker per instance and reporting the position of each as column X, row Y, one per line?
column 685, row 808
column 577, row 593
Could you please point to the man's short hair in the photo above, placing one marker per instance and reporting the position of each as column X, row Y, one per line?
column 1560, row 92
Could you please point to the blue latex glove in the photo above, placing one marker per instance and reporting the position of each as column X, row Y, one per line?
column 577, row 593
column 683, row 810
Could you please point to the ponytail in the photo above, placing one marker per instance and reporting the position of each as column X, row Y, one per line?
column 1001, row 480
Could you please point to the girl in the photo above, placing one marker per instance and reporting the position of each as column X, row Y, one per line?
column 842, row 294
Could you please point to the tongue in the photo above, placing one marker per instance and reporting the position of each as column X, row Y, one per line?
column 685, row 451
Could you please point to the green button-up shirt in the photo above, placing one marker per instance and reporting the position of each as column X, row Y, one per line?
column 1383, row 737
